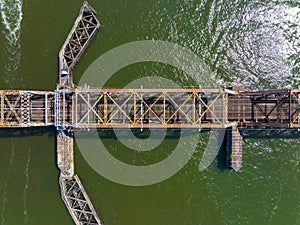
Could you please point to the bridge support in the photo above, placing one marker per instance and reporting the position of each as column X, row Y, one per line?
column 234, row 148
column 64, row 150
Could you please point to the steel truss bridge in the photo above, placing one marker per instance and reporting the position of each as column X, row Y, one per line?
column 150, row 108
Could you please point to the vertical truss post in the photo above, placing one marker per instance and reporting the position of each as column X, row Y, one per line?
column 199, row 110
column 73, row 109
column 46, row 108
column 142, row 100
column 57, row 108
column 26, row 110
column 164, row 102
column 76, row 108
column 105, row 107
column 194, row 108
column 64, row 108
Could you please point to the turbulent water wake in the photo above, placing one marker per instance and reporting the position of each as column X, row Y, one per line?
column 11, row 18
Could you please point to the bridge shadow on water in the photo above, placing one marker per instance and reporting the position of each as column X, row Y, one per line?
column 221, row 157
column 24, row 132
column 169, row 134
column 146, row 133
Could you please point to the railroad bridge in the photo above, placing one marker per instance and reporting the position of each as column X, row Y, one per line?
column 68, row 108
column 85, row 107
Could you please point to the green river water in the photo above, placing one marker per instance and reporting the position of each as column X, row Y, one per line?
column 253, row 43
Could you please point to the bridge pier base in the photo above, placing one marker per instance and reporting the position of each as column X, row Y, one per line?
column 64, row 150
column 234, row 148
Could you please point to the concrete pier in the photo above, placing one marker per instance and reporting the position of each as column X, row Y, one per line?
column 234, row 148
column 64, row 152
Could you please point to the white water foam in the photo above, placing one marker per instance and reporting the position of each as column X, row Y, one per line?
column 11, row 18
column 11, row 15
